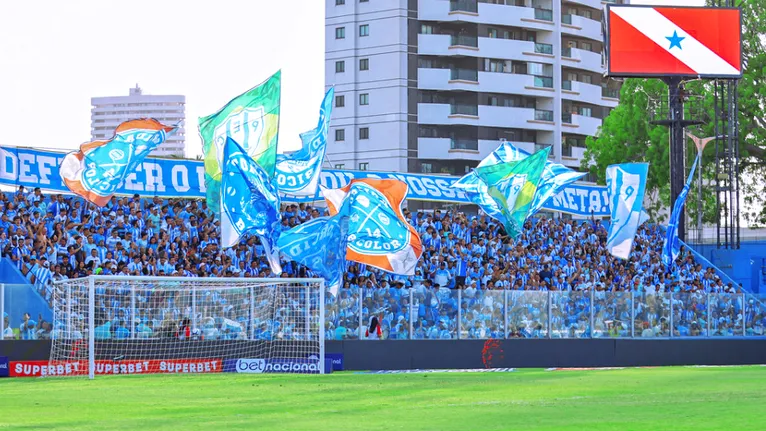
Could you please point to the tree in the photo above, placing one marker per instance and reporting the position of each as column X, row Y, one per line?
column 627, row 135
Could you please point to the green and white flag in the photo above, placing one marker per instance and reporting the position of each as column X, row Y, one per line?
column 252, row 120
column 513, row 185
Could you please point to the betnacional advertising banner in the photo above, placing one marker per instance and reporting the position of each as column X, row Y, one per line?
column 169, row 178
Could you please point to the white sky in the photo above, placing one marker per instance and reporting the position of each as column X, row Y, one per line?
column 55, row 55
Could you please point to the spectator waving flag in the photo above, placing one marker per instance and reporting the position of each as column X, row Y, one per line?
column 298, row 173
column 252, row 120
column 378, row 234
column 249, row 203
column 513, row 185
column 99, row 167
column 672, row 243
column 320, row 245
column 626, row 184
column 554, row 179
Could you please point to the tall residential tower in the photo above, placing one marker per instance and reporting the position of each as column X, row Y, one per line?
column 433, row 86
column 108, row 112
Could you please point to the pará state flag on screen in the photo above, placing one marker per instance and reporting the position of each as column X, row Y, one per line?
column 512, row 186
column 252, row 120
column 672, row 243
column 249, row 203
column 320, row 245
column 626, row 185
column 298, row 173
column 378, row 234
column 671, row 40
column 554, row 179
column 99, row 167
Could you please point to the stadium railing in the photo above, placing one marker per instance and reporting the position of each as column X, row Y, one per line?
column 421, row 313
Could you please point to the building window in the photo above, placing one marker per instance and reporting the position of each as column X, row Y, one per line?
column 340, row 66
column 340, row 2
column 340, row 135
column 587, row 79
column 364, row 133
column 364, row 99
column 363, row 166
column 426, row 168
column 586, row 112
column 586, row 46
column 363, row 1
column 492, row 33
column 340, row 33
column 426, row 29
column 340, row 101
column 364, row 30
column 339, row 166
column 364, row 64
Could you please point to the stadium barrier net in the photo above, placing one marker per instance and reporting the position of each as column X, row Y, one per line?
column 137, row 325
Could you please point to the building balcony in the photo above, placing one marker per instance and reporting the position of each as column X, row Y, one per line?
column 580, row 124
column 580, row 26
column 571, row 156
column 484, row 82
column 484, row 47
column 461, row 149
column 482, row 115
column 485, row 13
column 594, row 4
column 589, row 93
column 581, row 59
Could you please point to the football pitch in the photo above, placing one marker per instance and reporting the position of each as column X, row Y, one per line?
column 677, row 398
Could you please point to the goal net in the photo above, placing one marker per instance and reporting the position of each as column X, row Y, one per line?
column 137, row 325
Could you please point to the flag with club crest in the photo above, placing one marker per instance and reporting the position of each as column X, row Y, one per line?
column 554, row 179
column 99, row 167
column 249, row 203
column 252, row 120
column 626, row 185
column 512, row 186
column 320, row 245
column 672, row 243
column 378, row 233
column 298, row 173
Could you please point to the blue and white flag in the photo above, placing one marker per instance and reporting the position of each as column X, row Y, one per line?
column 249, row 203
column 555, row 178
column 298, row 173
column 626, row 184
column 320, row 245
column 672, row 244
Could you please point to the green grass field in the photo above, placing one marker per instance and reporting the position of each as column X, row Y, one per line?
column 672, row 398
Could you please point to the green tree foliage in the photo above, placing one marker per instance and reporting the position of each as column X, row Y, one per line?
column 627, row 135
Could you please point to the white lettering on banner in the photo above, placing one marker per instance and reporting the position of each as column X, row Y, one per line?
column 26, row 161
column 431, row 188
column 9, row 166
column 186, row 367
column 582, row 194
column 180, row 182
column 43, row 162
column 132, row 183
column 254, row 366
column 201, row 179
column 153, row 183
column 605, row 201
column 595, row 201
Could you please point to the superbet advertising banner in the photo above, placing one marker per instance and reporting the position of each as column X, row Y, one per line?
column 75, row 368
column 682, row 41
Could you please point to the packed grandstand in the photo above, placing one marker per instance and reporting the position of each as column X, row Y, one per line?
column 468, row 272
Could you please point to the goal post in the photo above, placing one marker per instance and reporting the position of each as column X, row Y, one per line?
column 138, row 325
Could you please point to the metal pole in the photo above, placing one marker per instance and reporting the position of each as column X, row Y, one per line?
column 744, row 314
column 132, row 312
column 412, row 296
column 632, row 315
column 251, row 318
column 671, row 314
column 361, row 317
column 321, row 329
column 91, row 328
column 2, row 309
column 194, row 309
column 677, row 141
column 709, row 313
column 308, row 313
column 550, row 310
column 505, row 313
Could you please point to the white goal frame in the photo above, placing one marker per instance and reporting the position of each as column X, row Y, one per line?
column 221, row 281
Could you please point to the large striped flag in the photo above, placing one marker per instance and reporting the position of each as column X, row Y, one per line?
column 97, row 169
column 626, row 184
column 674, row 41
column 378, row 233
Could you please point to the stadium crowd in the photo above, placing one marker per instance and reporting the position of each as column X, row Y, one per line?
column 61, row 237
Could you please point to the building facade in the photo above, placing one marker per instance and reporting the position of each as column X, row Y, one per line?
column 434, row 86
column 108, row 112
